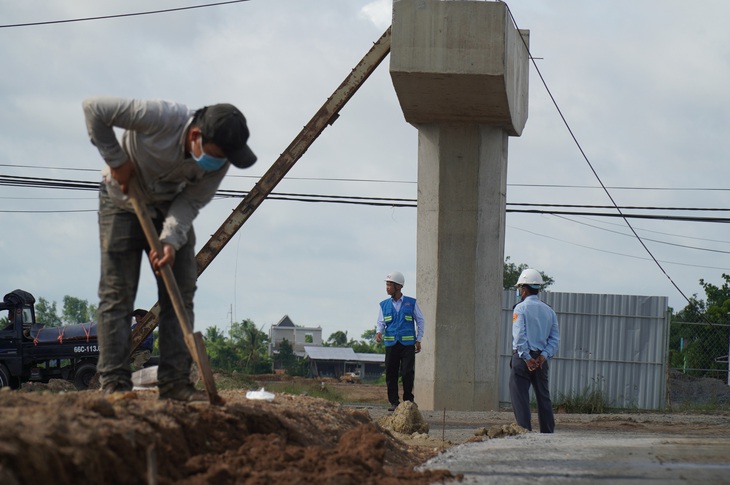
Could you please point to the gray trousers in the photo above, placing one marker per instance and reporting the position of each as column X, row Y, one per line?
column 123, row 245
column 520, row 380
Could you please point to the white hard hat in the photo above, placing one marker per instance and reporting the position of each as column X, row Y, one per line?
column 530, row 277
column 396, row 277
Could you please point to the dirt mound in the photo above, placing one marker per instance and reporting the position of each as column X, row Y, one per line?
column 85, row 437
column 684, row 389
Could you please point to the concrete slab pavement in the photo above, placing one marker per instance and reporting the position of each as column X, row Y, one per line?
column 590, row 456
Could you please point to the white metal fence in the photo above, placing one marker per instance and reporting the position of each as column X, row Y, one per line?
column 616, row 344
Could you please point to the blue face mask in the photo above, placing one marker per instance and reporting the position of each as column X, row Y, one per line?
column 517, row 292
column 206, row 162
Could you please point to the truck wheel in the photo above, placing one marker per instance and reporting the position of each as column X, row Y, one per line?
column 84, row 376
column 4, row 376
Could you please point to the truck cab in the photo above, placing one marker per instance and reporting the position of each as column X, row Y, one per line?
column 29, row 351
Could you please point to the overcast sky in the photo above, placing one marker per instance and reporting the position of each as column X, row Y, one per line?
column 644, row 86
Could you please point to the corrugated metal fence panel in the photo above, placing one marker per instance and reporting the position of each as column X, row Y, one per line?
column 613, row 343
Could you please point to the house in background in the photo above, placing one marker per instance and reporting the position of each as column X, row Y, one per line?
column 297, row 336
column 335, row 362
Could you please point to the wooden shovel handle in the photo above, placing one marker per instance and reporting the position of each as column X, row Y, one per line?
column 194, row 341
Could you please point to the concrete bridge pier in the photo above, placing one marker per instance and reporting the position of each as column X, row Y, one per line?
column 460, row 70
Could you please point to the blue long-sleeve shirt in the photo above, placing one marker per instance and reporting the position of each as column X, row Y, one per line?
column 534, row 327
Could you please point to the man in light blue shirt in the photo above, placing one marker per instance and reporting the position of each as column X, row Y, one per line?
column 535, row 338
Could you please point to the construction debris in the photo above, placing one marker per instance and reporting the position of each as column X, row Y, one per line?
column 406, row 419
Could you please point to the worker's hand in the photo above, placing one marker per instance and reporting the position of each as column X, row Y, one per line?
column 168, row 257
column 540, row 360
column 378, row 337
column 531, row 364
column 418, row 347
column 123, row 174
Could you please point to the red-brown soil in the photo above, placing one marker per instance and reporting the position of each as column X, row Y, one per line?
column 86, row 437
column 53, row 434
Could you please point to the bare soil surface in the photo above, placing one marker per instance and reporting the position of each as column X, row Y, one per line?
column 51, row 434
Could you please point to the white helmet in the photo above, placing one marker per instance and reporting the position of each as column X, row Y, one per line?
column 396, row 277
column 530, row 277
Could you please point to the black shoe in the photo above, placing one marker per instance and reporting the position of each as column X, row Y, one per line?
column 182, row 392
column 392, row 407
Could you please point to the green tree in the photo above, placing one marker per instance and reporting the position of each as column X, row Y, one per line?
column 252, row 343
column 698, row 335
column 46, row 313
column 367, row 345
column 221, row 351
column 244, row 350
column 76, row 310
column 338, row 339
column 289, row 360
column 512, row 273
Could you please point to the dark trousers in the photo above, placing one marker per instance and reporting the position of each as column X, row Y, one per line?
column 520, row 380
column 123, row 245
column 400, row 358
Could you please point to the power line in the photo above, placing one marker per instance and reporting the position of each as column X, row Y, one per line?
column 63, row 184
column 620, row 187
column 70, row 184
column 624, row 207
column 122, row 15
column 347, row 179
column 612, row 252
column 645, row 239
column 666, row 233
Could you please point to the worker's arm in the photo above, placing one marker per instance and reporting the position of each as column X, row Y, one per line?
column 420, row 326
column 380, row 327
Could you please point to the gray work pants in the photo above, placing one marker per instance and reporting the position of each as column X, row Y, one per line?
column 520, row 380
column 123, row 245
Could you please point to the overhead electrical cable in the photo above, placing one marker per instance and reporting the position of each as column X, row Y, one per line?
column 645, row 239
column 683, row 236
column 121, row 15
column 611, row 252
column 70, row 184
column 412, row 182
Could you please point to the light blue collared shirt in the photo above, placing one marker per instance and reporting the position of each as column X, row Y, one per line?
column 534, row 327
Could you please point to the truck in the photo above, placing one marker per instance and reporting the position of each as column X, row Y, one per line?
column 33, row 352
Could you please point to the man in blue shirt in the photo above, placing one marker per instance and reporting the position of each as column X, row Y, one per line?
column 400, row 327
column 535, row 338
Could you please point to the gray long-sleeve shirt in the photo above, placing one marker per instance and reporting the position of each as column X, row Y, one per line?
column 154, row 140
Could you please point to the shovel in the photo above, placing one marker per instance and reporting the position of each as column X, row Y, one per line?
column 194, row 340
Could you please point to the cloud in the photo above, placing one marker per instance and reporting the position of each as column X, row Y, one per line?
column 379, row 12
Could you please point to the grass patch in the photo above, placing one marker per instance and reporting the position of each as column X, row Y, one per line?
column 232, row 380
column 588, row 401
column 700, row 408
column 313, row 390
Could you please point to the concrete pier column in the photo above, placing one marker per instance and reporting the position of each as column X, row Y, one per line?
column 460, row 72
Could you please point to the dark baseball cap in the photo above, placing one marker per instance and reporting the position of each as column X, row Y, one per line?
column 224, row 125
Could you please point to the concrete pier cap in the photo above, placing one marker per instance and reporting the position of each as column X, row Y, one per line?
column 460, row 61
